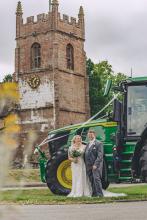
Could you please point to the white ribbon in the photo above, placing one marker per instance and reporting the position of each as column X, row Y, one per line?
column 46, row 140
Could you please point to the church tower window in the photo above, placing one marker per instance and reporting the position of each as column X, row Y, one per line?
column 70, row 57
column 35, row 56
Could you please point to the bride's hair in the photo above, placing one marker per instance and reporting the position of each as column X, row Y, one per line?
column 74, row 139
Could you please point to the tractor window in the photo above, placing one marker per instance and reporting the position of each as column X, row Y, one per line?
column 60, row 141
column 83, row 133
column 100, row 134
column 136, row 110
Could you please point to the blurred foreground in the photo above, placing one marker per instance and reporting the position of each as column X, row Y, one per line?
column 9, row 142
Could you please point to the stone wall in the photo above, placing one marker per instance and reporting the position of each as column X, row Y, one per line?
column 62, row 97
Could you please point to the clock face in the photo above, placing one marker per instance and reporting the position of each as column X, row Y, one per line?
column 34, row 81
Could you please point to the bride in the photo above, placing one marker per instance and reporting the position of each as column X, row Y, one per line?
column 80, row 183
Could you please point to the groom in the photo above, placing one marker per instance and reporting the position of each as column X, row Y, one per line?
column 94, row 163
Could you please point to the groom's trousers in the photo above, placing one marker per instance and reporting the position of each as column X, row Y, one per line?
column 95, row 180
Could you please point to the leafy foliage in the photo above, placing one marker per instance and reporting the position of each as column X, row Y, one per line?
column 98, row 75
column 8, row 78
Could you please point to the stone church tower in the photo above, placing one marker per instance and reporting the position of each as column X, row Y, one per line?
column 50, row 68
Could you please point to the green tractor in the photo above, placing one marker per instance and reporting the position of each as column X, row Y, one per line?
column 124, row 137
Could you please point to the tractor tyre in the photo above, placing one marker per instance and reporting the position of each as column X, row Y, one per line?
column 143, row 163
column 105, row 182
column 58, row 173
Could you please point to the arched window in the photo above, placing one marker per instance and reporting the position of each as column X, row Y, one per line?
column 35, row 56
column 70, row 57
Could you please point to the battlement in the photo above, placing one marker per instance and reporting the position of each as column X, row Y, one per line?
column 65, row 18
column 69, row 20
column 30, row 19
column 46, row 22
column 40, row 18
column 73, row 21
column 71, row 25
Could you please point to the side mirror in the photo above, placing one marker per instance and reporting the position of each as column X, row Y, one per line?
column 117, row 110
column 107, row 87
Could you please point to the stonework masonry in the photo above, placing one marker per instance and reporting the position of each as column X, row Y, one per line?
column 62, row 95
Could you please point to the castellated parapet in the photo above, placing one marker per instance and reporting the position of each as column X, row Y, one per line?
column 49, row 22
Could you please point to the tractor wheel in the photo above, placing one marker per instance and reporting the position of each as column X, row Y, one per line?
column 143, row 163
column 58, row 173
column 105, row 182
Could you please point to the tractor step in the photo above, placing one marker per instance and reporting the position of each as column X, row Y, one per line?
column 126, row 161
column 125, row 170
column 127, row 152
column 125, row 178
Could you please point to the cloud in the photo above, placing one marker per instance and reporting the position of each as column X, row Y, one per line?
column 122, row 40
column 115, row 31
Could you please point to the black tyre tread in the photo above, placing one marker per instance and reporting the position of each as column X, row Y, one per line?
column 51, row 173
column 136, row 156
column 143, row 163
column 105, row 182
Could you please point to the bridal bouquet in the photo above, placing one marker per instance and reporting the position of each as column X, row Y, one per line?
column 75, row 153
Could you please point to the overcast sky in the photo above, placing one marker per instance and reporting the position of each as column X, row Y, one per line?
column 116, row 30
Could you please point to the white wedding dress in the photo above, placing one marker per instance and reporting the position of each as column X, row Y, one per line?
column 80, row 182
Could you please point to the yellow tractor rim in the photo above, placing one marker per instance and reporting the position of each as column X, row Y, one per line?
column 64, row 175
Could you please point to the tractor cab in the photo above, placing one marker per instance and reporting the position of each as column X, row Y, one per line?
column 131, row 116
column 136, row 120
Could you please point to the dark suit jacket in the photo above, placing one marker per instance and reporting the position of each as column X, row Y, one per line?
column 94, row 156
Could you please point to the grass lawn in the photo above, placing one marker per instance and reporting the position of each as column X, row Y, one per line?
column 44, row 196
column 25, row 175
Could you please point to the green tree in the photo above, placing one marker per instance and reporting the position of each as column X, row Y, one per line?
column 98, row 75
column 8, row 78
column 89, row 66
column 118, row 78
